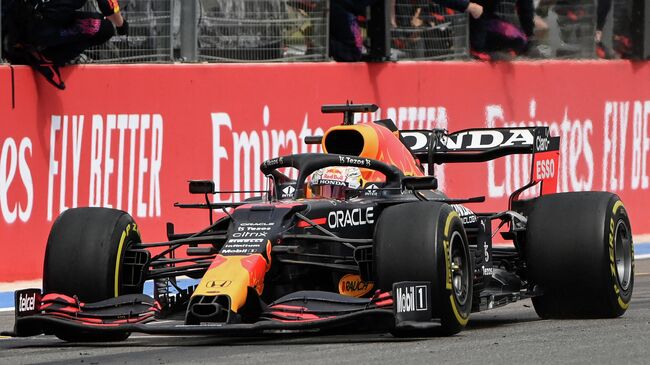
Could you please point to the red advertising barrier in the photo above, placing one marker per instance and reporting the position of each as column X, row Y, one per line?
column 129, row 137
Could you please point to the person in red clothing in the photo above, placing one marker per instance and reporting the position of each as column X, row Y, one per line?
column 47, row 34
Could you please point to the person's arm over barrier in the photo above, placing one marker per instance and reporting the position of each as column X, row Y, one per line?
column 111, row 10
column 474, row 9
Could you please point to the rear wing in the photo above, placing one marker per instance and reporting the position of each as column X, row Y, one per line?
column 485, row 144
column 477, row 145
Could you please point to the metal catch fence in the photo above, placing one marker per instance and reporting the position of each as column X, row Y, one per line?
column 297, row 30
column 150, row 34
column 576, row 21
column 263, row 30
column 427, row 31
column 507, row 10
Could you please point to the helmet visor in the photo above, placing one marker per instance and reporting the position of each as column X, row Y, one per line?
column 329, row 191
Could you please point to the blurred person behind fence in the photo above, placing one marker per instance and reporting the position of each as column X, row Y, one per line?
column 573, row 12
column 47, row 34
column 491, row 37
column 346, row 39
column 494, row 38
column 421, row 28
column 415, row 7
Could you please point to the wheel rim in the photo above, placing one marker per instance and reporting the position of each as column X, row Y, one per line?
column 623, row 254
column 459, row 268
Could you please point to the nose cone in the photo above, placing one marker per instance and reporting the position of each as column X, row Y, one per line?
column 231, row 276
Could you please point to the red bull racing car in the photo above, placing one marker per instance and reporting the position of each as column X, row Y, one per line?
column 357, row 238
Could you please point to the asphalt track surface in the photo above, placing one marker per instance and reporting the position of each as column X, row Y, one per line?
column 512, row 334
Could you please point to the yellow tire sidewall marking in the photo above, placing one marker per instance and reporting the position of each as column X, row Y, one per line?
column 118, row 259
column 446, row 244
column 617, row 205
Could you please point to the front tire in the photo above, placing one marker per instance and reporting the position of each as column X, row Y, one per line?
column 84, row 258
column 426, row 241
column 580, row 252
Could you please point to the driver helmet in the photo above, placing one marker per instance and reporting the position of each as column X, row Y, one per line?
column 333, row 182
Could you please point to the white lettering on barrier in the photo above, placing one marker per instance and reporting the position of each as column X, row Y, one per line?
column 122, row 125
column 105, row 172
column 646, row 147
column 577, row 160
column 637, row 128
column 64, row 150
column 579, row 145
column 59, row 123
column 156, row 166
column 142, row 164
column 134, row 125
column 615, row 135
column 109, row 163
column 492, row 114
column 26, row 177
column 55, row 125
column 243, row 147
column 577, row 156
column 219, row 152
column 640, row 146
column 12, row 158
column 614, row 144
column 249, row 149
column 417, row 117
column 95, row 188
column 77, row 138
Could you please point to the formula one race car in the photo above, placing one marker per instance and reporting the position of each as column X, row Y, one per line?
column 357, row 238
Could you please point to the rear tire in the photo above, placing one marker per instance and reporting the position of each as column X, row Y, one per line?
column 426, row 241
column 84, row 257
column 580, row 252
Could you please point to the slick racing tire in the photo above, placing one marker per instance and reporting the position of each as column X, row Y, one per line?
column 425, row 241
column 580, row 253
column 84, row 257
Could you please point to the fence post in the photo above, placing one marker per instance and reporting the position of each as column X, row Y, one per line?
column 379, row 30
column 189, row 30
column 1, row 35
column 640, row 29
column 327, row 29
column 645, row 18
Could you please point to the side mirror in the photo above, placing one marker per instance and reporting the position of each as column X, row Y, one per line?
column 202, row 187
column 419, row 183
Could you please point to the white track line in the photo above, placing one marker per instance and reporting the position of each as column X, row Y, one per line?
column 4, row 287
